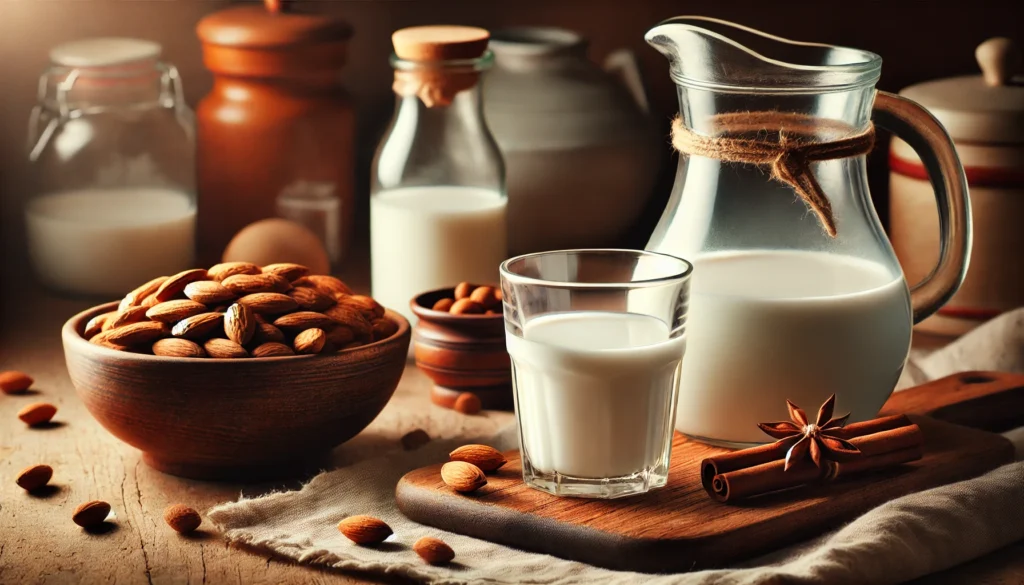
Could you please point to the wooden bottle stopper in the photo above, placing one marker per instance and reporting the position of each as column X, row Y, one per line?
column 999, row 59
column 440, row 43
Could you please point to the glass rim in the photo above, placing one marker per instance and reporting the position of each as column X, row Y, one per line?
column 684, row 274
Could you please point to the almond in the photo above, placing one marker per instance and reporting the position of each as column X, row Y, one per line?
column 272, row 349
column 182, row 519
column 434, row 551
column 463, row 477
column 444, row 305
column 138, row 295
column 245, row 284
column 198, row 326
column 171, row 312
column 302, row 320
column 415, row 439
column 286, row 270
column 329, row 285
column 32, row 478
column 466, row 307
column 175, row 285
column 364, row 529
column 310, row 341
column 95, row 325
column 150, row 301
column 370, row 308
column 224, row 349
column 15, row 382
column 37, row 413
column 138, row 333
column 219, row 272
column 239, row 323
column 208, row 292
column 102, row 340
column 91, row 514
column 311, row 299
column 177, row 347
column 266, row 333
column 485, row 457
column 351, row 318
column 463, row 290
column 468, row 403
column 384, row 328
column 341, row 336
column 486, row 296
column 127, row 317
column 270, row 303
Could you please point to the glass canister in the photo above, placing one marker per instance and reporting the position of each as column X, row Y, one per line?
column 111, row 151
column 438, row 200
column 276, row 132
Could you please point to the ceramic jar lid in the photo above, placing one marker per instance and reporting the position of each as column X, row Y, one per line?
column 271, row 41
column 986, row 108
column 103, row 52
column 440, row 42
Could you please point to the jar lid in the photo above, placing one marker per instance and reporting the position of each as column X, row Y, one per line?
column 440, row 42
column 986, row 108
column 269, row 27
column 104, row 52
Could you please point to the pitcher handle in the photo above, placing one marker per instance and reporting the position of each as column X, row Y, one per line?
column 918, row 128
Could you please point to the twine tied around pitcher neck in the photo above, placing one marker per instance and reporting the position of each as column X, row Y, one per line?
column 785, row 142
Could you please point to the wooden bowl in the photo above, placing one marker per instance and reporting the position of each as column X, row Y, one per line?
column 462, row 353
column 237, row 419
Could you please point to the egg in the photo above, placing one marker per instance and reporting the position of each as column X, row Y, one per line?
column 269, row 241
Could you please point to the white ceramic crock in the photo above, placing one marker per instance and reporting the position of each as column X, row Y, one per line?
column 581, row 154
column 985, row 116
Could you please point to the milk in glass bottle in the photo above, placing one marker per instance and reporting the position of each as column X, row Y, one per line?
column 437, row 205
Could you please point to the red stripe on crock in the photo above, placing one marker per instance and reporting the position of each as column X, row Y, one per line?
column 976, row 176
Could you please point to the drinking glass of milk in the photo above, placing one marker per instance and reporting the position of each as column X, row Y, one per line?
column 596, row 339
column 437, row 207
column 112, row 161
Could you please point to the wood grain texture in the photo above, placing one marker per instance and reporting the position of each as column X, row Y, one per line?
column 462, row 353
column 679, row 528
column 39, row 543
column 234, row 418
column 981, row 400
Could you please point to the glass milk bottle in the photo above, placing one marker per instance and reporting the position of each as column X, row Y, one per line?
column 437, row 206
column 112, row 162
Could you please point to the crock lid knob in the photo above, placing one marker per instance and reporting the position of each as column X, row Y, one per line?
column 999, row 59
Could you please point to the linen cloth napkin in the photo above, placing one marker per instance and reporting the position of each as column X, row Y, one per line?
column 906, row 538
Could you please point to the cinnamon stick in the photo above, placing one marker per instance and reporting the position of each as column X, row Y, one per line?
column 745, row 458
column 882, row 442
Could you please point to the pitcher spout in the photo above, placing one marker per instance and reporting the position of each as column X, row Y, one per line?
column 717, row 54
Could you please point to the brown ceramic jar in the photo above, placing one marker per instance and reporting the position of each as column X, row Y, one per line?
column 277, row 122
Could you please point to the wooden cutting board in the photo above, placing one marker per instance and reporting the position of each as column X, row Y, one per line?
column 680, row 528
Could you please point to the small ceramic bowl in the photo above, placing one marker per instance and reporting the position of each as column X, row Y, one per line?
column 237, row 419
column 462, row 353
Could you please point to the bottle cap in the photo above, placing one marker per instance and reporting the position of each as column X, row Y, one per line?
column 440, row 42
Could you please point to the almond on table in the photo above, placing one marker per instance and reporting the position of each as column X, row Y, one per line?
column 15, row 382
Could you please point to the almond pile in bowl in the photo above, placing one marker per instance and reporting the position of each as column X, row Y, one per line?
column 239, row 310
column 471, row 299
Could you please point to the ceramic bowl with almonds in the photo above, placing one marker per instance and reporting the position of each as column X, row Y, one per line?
column 459, row 342
column 237, row 371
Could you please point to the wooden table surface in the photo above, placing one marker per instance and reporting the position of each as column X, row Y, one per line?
column 40, row 544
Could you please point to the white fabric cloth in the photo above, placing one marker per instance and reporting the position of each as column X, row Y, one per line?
column 901, row 540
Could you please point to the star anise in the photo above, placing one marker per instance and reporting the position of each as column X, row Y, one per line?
column 803, row 436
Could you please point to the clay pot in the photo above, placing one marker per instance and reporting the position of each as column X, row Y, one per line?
column 462, row 353
column 581, row 154
column 275, row 135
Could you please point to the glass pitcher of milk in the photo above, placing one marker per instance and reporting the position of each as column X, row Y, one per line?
column 796, row 292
